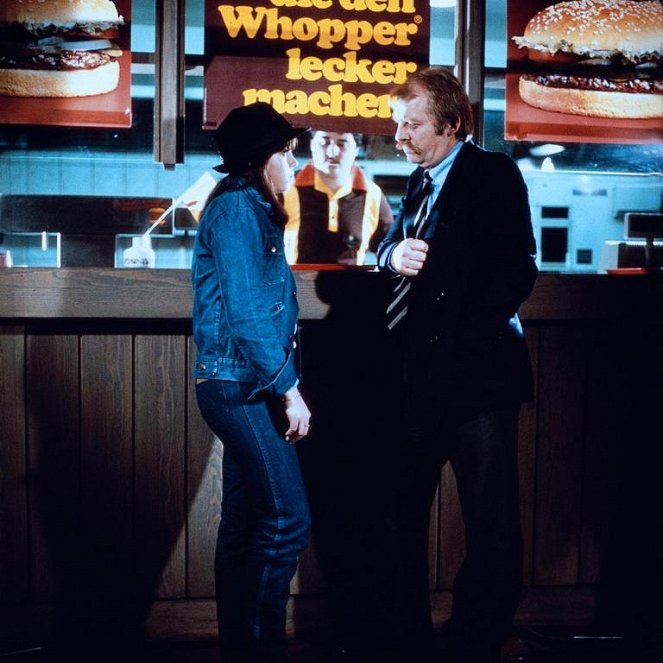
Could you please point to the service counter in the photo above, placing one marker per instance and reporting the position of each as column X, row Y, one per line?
column 165, row 294
column 109, row 479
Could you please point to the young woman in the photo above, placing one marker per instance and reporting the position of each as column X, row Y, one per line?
column 245, row 327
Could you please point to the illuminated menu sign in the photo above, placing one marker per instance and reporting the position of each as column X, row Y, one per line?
column 584, row 71
column 72, row 68
column 325, row 63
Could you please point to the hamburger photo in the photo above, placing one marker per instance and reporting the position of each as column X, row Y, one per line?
column 58, row 48
column 597, row 58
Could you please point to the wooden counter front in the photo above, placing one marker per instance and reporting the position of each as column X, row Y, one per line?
column 110, row 481
column 166, row 294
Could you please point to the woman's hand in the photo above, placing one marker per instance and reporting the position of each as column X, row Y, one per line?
column 298, row 415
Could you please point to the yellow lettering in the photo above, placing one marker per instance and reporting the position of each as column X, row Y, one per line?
column 332, row 31
column 305, row 29
column 333, row 70
column 401, row 6
column 357, row 70
column 402, row 32
column 359, row 33
column 328, row 32
column 296, row 103
column 304, row 4
column 402, row 70
column 353, row 5
column 294, row 64
column 276, row 22
column 383, row 33
column 367, row 105
column 243, row 19
column 275, row 98
column 318, row 103
column 377, row 6
column 333, row 102
column 348, row 69
column 343, row 104
column 311, row 69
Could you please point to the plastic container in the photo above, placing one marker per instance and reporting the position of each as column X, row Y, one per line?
column 6, row 259
column 140, row 254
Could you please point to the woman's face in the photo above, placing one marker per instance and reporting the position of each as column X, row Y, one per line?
column 280, row 169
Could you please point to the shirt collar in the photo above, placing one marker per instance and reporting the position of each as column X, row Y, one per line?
column 437, row 171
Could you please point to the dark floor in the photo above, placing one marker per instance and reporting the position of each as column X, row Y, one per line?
column 531, row 645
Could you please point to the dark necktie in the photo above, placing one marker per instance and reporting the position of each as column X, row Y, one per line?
column 397, row 308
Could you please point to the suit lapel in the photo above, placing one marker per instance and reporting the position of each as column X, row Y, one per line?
column 409, row 212
column 443, row 212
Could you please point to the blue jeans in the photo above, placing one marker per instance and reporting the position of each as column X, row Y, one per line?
column 265, row 521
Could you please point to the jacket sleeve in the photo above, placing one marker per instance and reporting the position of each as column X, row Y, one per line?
column 395, row 234
column 505, row 249
column 250, row 265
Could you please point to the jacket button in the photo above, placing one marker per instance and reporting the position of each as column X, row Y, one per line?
column 202, row 367
column 272, row 249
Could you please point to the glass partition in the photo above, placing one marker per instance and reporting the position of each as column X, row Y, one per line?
column 579, row 192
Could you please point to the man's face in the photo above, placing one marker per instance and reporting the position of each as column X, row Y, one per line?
column 416, row 132
column 333, row 153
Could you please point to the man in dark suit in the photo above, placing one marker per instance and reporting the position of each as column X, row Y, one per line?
column 461, row 258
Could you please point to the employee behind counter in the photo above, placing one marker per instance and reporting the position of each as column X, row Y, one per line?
column 335, row 213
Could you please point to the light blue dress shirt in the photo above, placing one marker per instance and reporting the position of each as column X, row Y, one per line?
column 439, row 173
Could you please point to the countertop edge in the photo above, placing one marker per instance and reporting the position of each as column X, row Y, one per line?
column 106, row 293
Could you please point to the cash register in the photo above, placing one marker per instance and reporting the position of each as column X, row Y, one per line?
column 641, row 251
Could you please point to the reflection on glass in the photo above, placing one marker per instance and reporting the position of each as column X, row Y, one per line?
column 30, row 249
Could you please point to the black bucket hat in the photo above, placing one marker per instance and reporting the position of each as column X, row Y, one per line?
column 248, row 135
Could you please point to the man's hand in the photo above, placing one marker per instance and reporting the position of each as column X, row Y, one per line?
column 409, row 256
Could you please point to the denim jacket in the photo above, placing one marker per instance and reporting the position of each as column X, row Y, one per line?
column 245, row 301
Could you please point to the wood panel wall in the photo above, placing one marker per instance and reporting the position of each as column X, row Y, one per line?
column 110, row 485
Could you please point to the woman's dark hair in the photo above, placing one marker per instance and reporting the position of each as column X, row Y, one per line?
column 448, row 101
column 257, row 176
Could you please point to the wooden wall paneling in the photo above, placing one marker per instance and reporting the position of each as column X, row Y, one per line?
column 183, row 620
column 450, row 536
column 601, row 450
column 639, row 523
column 14, row 578
column 434, row 541
column 527, row 459
column 53, row 405
column 308, row 580
column 622, row 519
column 204, row 486
column 590, row 501
column 562, row 378
column 160, row 491
column 107, row 468
column 452, row 531
column 320, row 386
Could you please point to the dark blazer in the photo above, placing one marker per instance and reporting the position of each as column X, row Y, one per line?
column 462, row 341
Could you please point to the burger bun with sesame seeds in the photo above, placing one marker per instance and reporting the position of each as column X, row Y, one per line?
column 58, row 48
column 598, row 58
